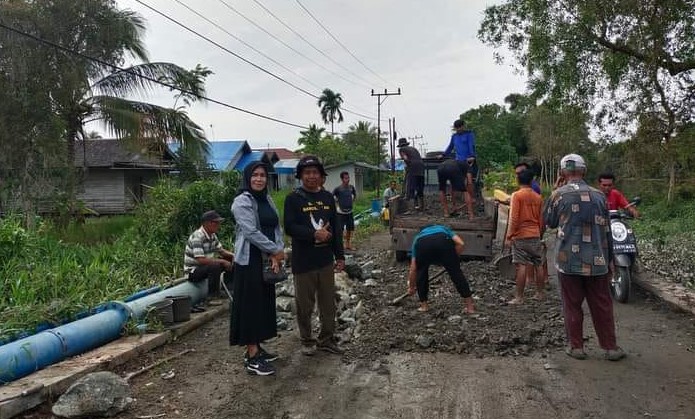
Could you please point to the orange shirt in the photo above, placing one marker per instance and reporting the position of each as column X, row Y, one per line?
column 525, row 220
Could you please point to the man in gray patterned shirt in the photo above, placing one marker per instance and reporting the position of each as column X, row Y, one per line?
column 583, row 257
column 204, row 257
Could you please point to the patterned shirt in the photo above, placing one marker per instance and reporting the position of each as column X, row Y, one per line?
column 584, row 242
column 199, row 244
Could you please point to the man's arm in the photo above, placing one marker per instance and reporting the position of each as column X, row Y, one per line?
column 336, row 238
column 514, row 215
column 450, row 147
column 199, row 254
column 294, row 226
column 412, row 276
column 471, row 145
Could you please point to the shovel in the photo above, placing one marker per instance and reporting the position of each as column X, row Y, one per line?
column 405, row 295
column 503, row 261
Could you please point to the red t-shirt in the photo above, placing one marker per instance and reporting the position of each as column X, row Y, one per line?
column 616, row 200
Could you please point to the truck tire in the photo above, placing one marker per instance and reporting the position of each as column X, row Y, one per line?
column 401, row 256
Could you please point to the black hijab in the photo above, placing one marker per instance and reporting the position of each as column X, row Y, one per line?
column 246, row 182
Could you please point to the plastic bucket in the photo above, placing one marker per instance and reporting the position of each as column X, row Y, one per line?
column 162, row 312
column 181, row 306
column 376, row 205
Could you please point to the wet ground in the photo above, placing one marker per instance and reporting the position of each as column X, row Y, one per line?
column 506, row 361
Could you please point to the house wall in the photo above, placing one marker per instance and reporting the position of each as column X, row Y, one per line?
column 356, row 177
column 287, row 181
column 103, row 190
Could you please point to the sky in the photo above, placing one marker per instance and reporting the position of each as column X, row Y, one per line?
column 428, row 49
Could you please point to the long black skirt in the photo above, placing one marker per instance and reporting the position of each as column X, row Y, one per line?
column 253, row 318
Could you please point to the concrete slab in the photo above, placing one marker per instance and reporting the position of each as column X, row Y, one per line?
column 32, row 390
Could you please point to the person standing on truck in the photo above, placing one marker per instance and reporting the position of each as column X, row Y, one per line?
column 345, row 194
column 437, row 245
column 310, row 222
column 583, row 258
column 524, row 233
column 451, row 172
column 463, row 141
column 414, row 173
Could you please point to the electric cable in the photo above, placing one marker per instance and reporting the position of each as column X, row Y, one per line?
column 300, row 36
column 151, row 79
column 209, row 40
column 338, row 41
column 232, row 8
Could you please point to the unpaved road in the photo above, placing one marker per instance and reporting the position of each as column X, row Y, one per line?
column 657, row 380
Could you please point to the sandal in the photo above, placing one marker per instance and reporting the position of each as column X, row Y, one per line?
column 197, row 309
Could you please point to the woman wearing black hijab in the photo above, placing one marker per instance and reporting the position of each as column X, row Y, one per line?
column 258, row 234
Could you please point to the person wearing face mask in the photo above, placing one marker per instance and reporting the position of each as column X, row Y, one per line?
column 258, row 237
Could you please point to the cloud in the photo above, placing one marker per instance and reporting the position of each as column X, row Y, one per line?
column 429, row 49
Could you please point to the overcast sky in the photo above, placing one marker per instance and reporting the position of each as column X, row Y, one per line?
column 427, row 48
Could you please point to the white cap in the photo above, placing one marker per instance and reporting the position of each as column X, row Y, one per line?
column 572, row 162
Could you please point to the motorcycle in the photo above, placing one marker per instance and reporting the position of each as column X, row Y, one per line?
column 624, row 253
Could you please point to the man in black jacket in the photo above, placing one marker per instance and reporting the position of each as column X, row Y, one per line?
column 414, row 173
column 310, row 217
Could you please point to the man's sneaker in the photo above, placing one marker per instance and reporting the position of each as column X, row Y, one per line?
column 308, row 350
column 615, row 354
column 576, row 353
column 331, row 347
column 268, row 356
column 258, row 366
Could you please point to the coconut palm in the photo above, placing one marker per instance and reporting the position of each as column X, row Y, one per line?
column 96, row 90
column 330, row 103
column 310, row 138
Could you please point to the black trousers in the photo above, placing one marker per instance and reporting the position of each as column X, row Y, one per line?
column 212, row 274
column 438, row 249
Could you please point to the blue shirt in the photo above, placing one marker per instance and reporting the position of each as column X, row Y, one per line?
column 536, row 187
column 428, row 231
column 464, row 143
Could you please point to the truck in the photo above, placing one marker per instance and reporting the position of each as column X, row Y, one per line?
column 478, row 234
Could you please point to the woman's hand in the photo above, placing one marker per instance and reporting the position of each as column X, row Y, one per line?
column 274, row 265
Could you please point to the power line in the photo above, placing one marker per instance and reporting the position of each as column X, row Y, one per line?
column 254, row 65
column 338, row 41
column 232, row 8
column 247, row 44
column 151, row 79
column 289, row 28
column 222, row 47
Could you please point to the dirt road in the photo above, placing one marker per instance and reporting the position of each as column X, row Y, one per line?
column 465, row 378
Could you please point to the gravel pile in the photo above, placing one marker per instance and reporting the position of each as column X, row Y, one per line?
column 497, row 329
column 672, row 259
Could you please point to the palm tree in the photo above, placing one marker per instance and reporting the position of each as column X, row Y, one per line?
column 89, row 90
column 310, row 139
column 330, row 103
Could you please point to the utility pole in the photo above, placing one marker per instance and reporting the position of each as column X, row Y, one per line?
column 379, row 101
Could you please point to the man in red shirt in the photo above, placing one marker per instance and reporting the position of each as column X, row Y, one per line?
column 614, row 199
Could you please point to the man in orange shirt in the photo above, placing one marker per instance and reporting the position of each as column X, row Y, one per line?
column 524, row 233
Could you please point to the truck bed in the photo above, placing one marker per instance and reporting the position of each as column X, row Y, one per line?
column 416, row 220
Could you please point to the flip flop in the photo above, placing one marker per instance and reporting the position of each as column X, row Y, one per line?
column 197, row 309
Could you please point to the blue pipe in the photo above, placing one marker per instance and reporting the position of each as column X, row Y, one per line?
column 25, row 356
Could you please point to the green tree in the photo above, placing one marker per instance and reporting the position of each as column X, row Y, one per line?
column 493, row 139
column 553, row 133
column 330, row 103
column 361, row 142
column 85, row 89
column 619, row 59
column 310, row 139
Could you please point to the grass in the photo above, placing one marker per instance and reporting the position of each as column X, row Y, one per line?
column 660, row 220
column 95, row 230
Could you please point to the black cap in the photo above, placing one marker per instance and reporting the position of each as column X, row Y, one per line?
column 309, row 161
column 402, row 142
column 459, row 123
column 212, row 216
